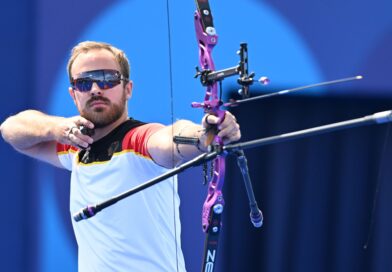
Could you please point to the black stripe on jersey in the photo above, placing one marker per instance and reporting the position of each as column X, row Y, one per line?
column 103, row 149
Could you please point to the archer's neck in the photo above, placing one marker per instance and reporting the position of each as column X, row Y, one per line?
column 102, row 132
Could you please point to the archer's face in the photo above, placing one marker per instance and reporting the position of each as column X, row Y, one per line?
column 102, row 107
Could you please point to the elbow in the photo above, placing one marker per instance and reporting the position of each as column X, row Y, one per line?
column 4, row 130
column 9, row 133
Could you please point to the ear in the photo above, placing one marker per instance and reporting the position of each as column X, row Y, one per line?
column 72, row 94
column 129, row 89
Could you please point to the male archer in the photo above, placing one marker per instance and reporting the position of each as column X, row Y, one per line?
column 108, row 153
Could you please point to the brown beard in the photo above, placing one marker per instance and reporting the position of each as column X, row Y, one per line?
column 100, row 117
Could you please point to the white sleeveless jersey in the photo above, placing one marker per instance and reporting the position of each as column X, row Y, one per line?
column 140, row 233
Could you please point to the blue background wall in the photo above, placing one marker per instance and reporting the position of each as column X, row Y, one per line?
column 294, row 43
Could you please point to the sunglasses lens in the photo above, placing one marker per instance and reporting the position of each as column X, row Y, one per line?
column 107, row 84
column 83, row 84
column 105, row 79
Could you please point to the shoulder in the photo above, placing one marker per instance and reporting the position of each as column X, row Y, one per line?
column 137, row 138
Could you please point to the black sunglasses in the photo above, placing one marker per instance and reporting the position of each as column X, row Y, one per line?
column 105, row 79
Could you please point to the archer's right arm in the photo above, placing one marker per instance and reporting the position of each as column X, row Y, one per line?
column 36, row 134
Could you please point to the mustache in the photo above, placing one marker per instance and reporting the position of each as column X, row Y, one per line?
column 96, row 98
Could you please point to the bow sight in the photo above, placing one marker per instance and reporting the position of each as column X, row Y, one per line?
column 208, row 77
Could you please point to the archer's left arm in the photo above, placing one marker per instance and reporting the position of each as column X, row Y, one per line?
column 169, row 154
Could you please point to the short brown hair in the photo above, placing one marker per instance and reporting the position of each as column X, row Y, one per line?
column 86, row 46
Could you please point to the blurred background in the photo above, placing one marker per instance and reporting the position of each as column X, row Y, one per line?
column 326, row 199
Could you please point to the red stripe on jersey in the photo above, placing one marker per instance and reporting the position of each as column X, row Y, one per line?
column 137, row 138
column 64, row 148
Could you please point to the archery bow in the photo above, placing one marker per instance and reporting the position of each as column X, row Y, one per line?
column 214, row 203
column 209, row 77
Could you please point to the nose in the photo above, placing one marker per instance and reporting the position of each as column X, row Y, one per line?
column 95, row 90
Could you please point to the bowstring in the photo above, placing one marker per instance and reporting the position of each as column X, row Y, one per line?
column 172, row 122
